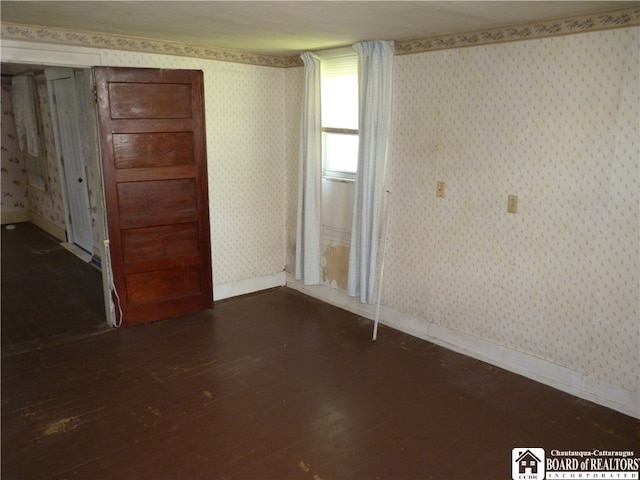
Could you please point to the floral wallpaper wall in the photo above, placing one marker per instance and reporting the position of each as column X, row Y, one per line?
column 14, row 173
column 556, row 122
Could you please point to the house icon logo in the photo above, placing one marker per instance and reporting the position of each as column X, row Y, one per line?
column 527, row 464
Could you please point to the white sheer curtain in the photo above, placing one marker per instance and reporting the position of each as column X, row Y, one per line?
column 309, row 238
column 23, row 93
column 375, row 60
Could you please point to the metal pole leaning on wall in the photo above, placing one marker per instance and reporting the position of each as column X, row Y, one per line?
column 384, row 253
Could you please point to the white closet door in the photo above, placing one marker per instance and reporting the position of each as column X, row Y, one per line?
column 74, row 175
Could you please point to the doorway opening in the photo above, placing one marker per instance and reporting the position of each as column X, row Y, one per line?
column 51, row 238
column 150, row 182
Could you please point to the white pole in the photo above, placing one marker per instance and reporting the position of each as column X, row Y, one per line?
column 384, row 252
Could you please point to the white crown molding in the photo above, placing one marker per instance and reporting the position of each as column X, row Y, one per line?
column 12, row 31
column 566, row 26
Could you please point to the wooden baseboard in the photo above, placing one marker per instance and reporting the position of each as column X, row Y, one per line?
column 14, row 217
column 250, row 285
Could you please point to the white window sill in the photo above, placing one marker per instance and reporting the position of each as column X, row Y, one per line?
column 330, row 178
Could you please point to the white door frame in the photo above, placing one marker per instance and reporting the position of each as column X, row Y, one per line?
column 16, row 51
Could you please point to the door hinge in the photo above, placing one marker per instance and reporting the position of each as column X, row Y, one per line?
column 95, row 95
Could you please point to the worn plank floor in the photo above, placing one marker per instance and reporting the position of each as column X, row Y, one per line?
column 278, row 385
column 48, row 294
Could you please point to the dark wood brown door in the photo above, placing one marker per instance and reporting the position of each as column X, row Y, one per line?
column 152, row 142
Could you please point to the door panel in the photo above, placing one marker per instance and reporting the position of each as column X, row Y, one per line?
column 139, row 150
column 136, row 100
column 153, row 286
column 151, row 243
column 154, row 162
column 157, row 197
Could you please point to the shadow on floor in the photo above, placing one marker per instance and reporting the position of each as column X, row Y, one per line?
column 48, row 294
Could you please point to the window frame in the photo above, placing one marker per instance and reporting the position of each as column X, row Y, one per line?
column 330, row 174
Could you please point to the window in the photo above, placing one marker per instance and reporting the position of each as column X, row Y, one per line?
column 339, row 103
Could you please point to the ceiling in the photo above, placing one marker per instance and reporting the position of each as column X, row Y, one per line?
column 287, row 28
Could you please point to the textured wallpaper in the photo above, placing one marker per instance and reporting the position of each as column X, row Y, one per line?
column 245, row 111
column 554, row 121
column 14, row 173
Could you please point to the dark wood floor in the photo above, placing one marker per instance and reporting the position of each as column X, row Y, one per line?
column 277, row 385
column 48, row 294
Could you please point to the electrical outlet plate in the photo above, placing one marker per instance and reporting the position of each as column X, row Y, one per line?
column 512, row 204
column 440, row 189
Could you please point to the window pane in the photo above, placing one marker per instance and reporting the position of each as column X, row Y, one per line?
column 340, row 152
column 339, row 92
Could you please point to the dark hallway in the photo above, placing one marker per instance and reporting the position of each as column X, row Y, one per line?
column 48, row 294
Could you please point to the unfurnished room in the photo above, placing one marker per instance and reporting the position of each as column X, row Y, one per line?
column 320, row 240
